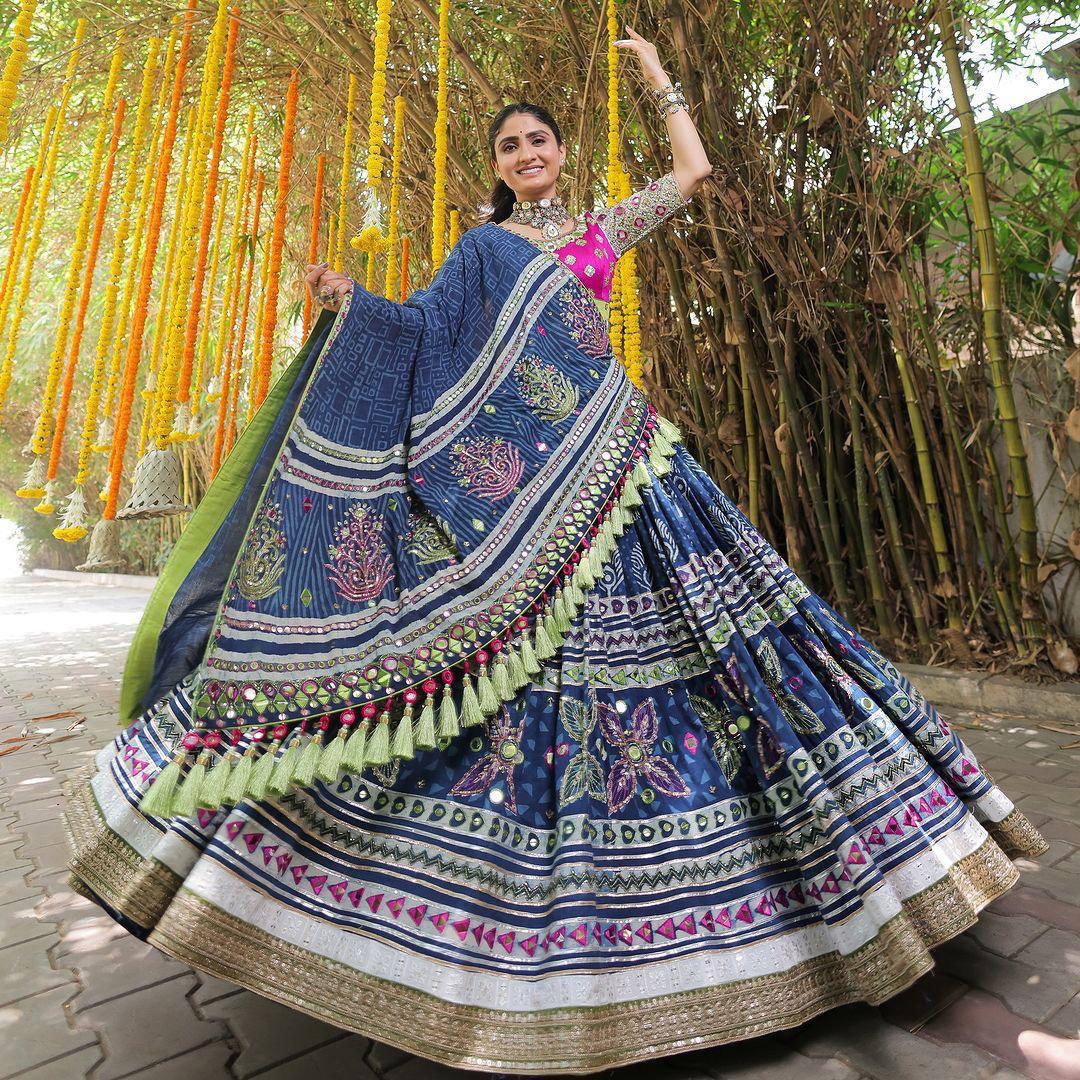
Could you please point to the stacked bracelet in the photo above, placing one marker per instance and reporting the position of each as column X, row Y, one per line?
column 669, row 98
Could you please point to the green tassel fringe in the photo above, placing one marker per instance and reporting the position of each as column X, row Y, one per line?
column 378, row 745
column 401, row 745
column 329, row 764
column 545, row 650
column 471, row 713
column 519, row 677
column 304, row 773
column 551, row 627
column 448, row 717
column 213, row 788
column 355, row 745
column 186, row 801
column 259, row 783
column 281, row 777
column 640, row 475
column 631, row 497
column 562, row 616
column 424, row 738
column 529, row 660
column 500, row 680
column 239, row 778
column 158, row 798
column 669, row 429
column 489, row 701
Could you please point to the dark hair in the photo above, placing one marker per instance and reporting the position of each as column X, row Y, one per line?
column 501, row 199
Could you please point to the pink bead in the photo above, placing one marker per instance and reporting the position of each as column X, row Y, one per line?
column 280, row 731
column 482, row 657
column 212, row 739
column 347, row 718
column 521, row 623
column 258, row 735
column 411, row 696
column 324, row 723
column 430, row 686
column 191, row 740
column 496, row 646
column 370, row 709
column 447, row 676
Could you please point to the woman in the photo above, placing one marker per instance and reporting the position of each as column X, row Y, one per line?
column 470, row 715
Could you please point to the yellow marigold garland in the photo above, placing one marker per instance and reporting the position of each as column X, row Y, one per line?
column 390, row 284
column 238, row 366
column 18, row 236
column 631, row 311
column 146, row 274
column 105, row 426
column 35, row 483
column 442, row 123
column 43, row 429
column 404, row 270
column 237, row 257
column 173, row 356
column 338, row 248
column 208, row 310
column 9, row 81
column 277, row 241
column 313, row 237
column 80, row 318
column 183, row 421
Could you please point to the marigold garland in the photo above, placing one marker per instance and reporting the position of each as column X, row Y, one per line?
column 313, row 241
column 80, row 318
column 238, row 365
column 237, row 258
column 442, row 123
column 338, row 249
column 146, row 276
column 169, row 286
column 73, row 526
column 404, row 270
column 628, row 288
column 277, row 240
column 9, row 81
column 253, row 368
column 173, row 358
column 18, row 235
column 184, row 417
column 43, row 429
column 207, row 314
column 390, row 284
column 105, row 426
column 34, row 483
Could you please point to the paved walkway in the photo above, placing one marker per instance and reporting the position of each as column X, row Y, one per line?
column 79, row 997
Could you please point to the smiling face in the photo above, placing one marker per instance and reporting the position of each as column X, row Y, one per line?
column 527, row 156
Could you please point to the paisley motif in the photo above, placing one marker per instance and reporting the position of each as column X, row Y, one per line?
column 488, row 466
column 545, row 389
column 260, row 566
column 428, row 540
column 585, row 323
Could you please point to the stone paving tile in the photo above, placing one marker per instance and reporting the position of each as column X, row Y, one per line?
column 345, row 1057
column 268, row 1032
column 25, row 970
column 35, row 1030
column 209, row 1062
column 770, row 1057
column 1006, row 935
column 74, row 1066
column 141, row 1030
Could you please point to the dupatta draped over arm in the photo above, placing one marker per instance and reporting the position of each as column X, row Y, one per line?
column 430, row 491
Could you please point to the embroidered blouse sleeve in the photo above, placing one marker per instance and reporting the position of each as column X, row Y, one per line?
column 633, row 218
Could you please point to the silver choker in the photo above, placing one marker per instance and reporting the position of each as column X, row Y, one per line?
column 547, row 215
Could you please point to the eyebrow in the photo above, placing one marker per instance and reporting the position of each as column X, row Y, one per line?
column 537, row 131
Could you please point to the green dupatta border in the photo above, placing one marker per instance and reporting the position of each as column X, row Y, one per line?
column 200, row 529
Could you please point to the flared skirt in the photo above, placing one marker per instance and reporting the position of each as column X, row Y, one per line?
column 716, row 812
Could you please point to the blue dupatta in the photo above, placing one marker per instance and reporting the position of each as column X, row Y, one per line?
column 437, row 484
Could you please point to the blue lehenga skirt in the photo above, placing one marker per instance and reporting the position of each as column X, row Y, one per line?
column 717, row 812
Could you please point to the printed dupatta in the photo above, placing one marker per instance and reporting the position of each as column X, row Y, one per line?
column 454, row 474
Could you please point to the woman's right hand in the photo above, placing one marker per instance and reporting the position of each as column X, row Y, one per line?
column 327, row 287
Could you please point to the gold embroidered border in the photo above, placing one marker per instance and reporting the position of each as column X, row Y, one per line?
column 104, row 865
column 577, row 1040
column 1016, row 836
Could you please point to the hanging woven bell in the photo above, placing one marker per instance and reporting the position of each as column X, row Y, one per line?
column 155, row 487
column 104, row 553
column 73, row 525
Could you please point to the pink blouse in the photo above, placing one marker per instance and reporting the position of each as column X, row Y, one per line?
column 611, row 231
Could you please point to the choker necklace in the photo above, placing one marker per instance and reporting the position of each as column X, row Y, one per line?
column 547, row 215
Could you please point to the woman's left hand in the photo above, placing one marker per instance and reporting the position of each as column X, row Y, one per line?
column 647, row 57
column 327, row 287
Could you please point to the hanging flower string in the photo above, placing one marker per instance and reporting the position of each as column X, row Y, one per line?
column 442, row 125
column 18, row 241
column 253, row 367
column 183, row 427
column 390, row 283
column 9, row 81
column 337, row 247
column 277, row 242
column 73, row 525
column 105, row 421
column 197, row 401
column 238, row 363
column 404, row 270
column 313, row 241
column 630, row 308
column 43, row 429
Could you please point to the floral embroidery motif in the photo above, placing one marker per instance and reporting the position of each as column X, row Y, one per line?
column 725, row 734
column 632, row 219
column 360, row 565
column 636, row 760
column 545, row 389
column 488, row 466
column 262, row 563
column 583, row 772
column 798, row 714
column 500, row 761
column 585, row 322
column 428, row 539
